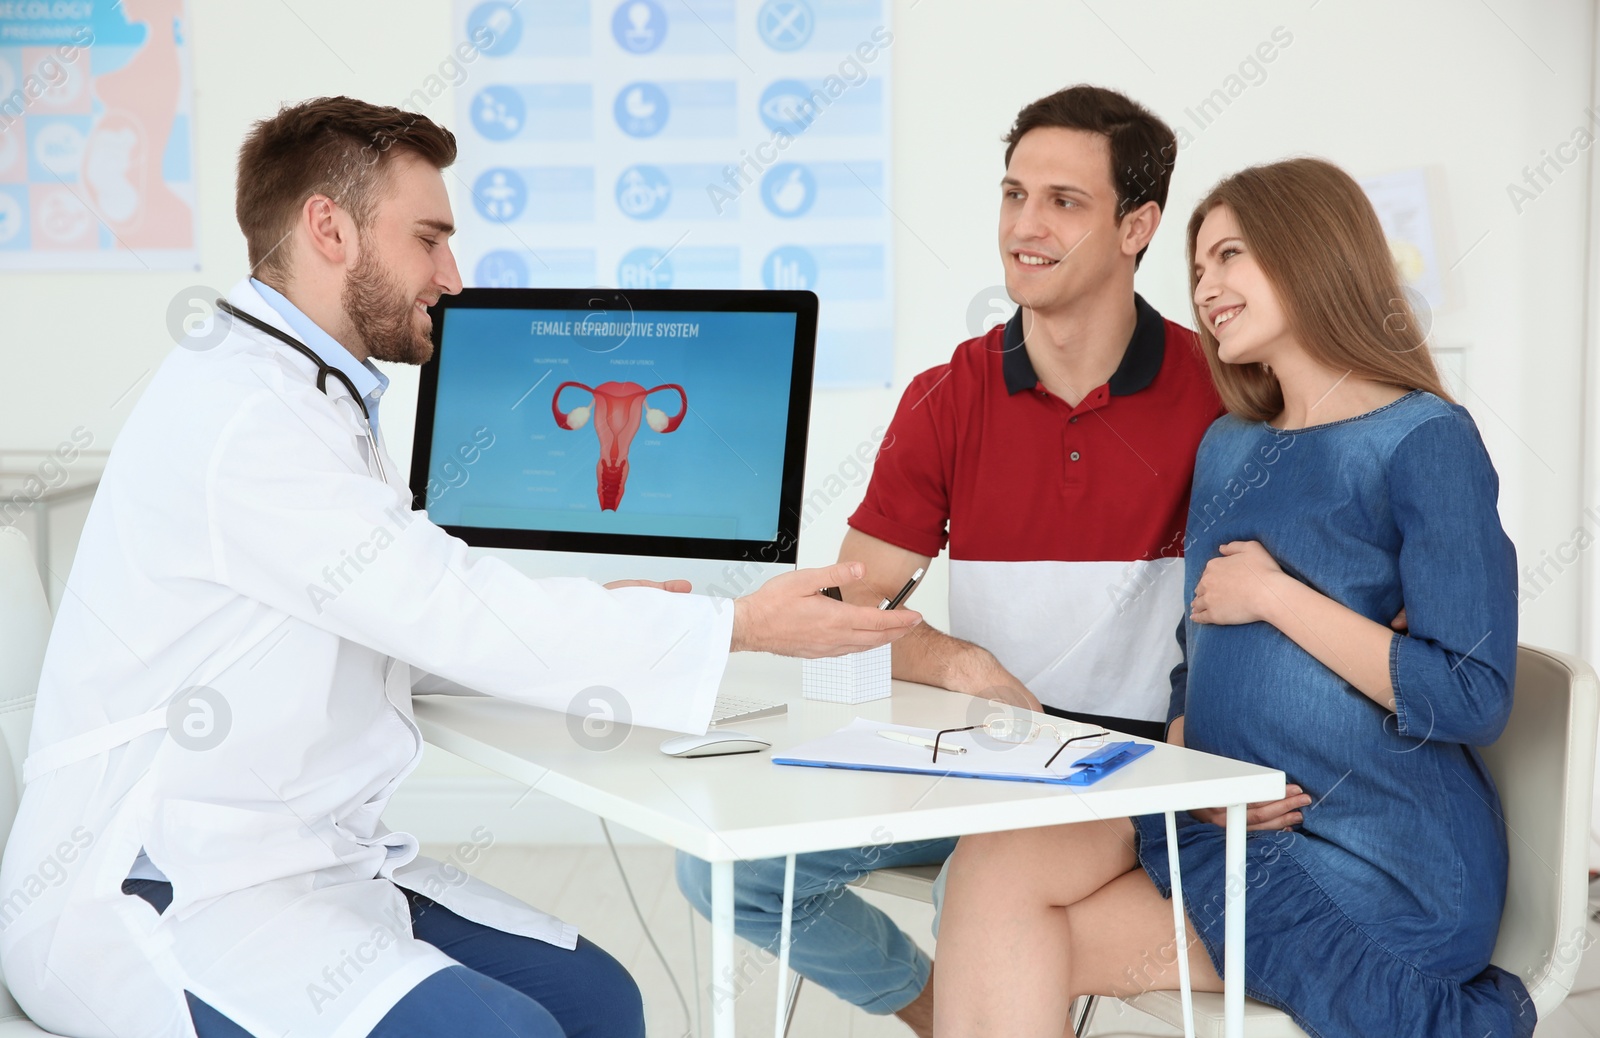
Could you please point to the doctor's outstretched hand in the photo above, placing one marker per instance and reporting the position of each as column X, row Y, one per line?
column 789, row 616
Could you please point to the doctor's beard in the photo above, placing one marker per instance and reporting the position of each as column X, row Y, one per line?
column 383, row 314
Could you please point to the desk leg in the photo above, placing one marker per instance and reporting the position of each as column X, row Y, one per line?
column 1233, row 930
column 1180, row 925
column 722, row 997
column 783, row 948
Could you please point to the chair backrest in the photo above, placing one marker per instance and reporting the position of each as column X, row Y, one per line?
column 1543, row 765
column 24, row 630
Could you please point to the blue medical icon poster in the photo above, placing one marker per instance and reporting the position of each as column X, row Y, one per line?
column 645, row 144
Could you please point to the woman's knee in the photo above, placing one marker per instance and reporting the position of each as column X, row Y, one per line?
column 1022, row 861
column 1000, row 850
column 983, row 864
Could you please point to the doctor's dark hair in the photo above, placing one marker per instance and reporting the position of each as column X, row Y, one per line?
column 1143, row 148
column 334, row 146
column 1318, row 241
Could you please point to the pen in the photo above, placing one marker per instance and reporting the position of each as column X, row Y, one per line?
column 917, row 740
column 894, row 603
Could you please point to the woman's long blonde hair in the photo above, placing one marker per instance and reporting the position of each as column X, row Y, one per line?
column 1319, row 243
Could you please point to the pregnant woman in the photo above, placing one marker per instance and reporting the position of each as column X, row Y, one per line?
column 1343, row 485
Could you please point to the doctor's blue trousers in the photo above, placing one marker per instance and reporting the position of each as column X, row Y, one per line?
column 505, row 985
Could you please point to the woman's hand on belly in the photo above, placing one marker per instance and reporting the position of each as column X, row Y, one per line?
column 1245, row 585
column 1236, row 588
column 1267, row 814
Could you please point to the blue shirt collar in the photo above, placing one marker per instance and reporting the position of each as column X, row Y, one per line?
column 364, row 375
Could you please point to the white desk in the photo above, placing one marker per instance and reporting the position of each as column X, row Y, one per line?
column 727, row 809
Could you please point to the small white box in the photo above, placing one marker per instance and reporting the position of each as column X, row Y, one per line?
column 857, row 678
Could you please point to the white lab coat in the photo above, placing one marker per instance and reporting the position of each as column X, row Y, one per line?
column 234, row 492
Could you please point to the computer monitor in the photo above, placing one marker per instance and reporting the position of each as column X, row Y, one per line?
column 610, row 434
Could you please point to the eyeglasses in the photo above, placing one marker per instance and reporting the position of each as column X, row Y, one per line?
column 1019, row 730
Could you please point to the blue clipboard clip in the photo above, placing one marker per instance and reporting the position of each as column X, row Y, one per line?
column 1109, row 758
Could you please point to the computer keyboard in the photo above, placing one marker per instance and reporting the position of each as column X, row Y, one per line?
column 732, row 708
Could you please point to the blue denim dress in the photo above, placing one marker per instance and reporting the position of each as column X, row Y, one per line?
column 1378, row 913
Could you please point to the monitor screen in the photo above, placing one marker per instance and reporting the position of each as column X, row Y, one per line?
column 653, row 423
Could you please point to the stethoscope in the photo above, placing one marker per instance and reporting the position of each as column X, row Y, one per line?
column 323, row 371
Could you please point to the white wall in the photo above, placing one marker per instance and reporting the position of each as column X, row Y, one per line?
column 1472, row 92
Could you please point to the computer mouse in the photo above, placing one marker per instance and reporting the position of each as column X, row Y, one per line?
column 713, row 744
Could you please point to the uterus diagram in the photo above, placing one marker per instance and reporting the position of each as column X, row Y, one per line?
column 616, row 408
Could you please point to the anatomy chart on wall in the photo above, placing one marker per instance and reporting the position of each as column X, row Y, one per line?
column 648, row 144
column 96, row 145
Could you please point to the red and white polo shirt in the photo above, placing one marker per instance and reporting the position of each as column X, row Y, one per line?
column 1065, row 524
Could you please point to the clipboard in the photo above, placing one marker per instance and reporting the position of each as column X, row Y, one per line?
column 1109, row 758
column 857, row 747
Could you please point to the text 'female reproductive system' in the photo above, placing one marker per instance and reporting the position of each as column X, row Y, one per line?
column 616, row 411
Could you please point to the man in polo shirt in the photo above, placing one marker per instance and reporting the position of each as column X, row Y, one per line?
column 1053, row 455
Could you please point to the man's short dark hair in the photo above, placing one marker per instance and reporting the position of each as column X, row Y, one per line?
column 334, row 146
column 1143, row 148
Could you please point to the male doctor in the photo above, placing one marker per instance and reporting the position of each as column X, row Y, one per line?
column 233, row 876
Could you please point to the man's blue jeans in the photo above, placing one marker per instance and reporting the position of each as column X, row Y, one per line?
column 837, row 940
